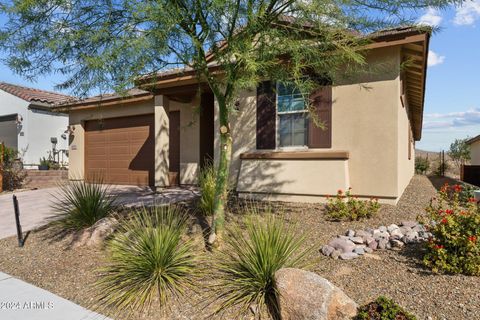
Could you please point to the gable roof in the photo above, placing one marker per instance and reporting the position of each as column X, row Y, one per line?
column 474, row 139
column 34, row 96
column 131, row 95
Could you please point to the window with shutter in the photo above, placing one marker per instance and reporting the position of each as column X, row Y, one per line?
column 266, row 126
column 292, row 117
column 284, row 121
column 320, row 128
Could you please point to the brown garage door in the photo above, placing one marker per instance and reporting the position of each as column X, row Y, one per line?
column 120, row 150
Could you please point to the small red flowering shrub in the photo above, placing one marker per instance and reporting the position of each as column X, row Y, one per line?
column 345, row 206
column 455, row 225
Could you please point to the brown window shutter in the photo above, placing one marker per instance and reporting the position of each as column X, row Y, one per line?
column 266, row 115
column 321, row 100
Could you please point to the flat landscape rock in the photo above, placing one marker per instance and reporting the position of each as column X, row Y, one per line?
column 409, row 223
column 327, row 250
column 305, row 295
column 349, row 255
column 343, row 245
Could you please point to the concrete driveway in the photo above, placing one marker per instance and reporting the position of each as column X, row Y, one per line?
column 34, row 209
column 35, row 205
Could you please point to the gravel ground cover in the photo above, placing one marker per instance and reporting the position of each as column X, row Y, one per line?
column 397, row 274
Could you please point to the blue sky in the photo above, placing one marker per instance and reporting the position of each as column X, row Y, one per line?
column 452, row 104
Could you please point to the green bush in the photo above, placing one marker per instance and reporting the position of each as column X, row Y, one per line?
column 148, row 261
column 44, row 162
column 345, row 206
column 455, row 246
column 206, row 181
column 440, row 168
column 251, row 257
column 13, row 175
column 466, row 193
column 80, row 205
column 383, row 309
column 421, row 165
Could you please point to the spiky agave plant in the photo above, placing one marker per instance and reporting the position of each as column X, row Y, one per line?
column 79, row 205
column 148, row 261
column 250, row 259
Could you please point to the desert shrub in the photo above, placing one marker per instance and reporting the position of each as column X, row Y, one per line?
column 206, row 181
column 80, row 205
column 383, row 309
column 13, row 175
column 148, row 261
column 440, row 168
column 248, row 262
column 345, row 206
column 421, row 165
column 455, row 246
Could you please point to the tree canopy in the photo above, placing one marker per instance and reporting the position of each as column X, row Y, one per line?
column 106, row 44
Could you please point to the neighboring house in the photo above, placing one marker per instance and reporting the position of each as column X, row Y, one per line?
column 27, row 122
column 158, row 137
column 474, row 144
column 471, row 173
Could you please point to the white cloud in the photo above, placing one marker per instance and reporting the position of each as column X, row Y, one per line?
column 434, row 58
column 431, row 18
column 467, row 13
column 452, row 120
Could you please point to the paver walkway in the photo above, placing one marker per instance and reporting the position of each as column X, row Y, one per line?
column 21, row 301
column 35, row 205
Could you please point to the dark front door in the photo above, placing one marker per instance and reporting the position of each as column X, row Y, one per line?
column 174, row 147
column 206, row 128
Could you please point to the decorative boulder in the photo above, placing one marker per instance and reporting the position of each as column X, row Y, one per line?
column 305, row 295
column 101, row 230
column 96, row 234
column 341, row 244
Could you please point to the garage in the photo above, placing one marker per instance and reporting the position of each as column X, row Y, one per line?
column 121, row 150
column 8, row 130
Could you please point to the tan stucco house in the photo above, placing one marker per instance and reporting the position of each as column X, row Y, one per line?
column 474, row 144
column 160, row 137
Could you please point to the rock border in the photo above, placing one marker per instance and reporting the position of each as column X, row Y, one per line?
column 355, row 243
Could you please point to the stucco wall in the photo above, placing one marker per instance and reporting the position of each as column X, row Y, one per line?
column 365, row 122
column 189, row 140
column 406, row 164
column 189, row 134
column 42, row 126
column 475, row 153
column 36, row 129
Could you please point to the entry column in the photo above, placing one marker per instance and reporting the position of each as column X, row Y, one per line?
column 161, row 141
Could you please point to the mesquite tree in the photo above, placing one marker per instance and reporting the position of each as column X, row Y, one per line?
column 106, row 44
column 459, row 151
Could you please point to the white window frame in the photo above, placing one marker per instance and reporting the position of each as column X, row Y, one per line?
column 277, row 125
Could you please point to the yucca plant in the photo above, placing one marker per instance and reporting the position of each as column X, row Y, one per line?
column 148, row 261
column 79, row 205
column 248, row 263
column 207, row 183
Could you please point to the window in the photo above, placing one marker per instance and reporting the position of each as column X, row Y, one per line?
column 292, row 117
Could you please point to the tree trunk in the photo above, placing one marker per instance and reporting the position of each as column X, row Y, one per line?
column 222, row 173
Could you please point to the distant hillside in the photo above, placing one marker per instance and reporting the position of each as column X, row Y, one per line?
column 452, row 171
